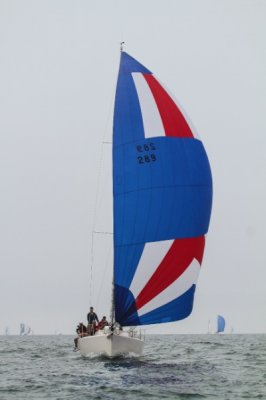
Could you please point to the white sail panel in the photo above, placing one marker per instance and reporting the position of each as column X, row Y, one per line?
column 152, row 122
column 152, row 255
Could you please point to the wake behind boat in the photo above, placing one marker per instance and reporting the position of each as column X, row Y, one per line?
column 162, row 196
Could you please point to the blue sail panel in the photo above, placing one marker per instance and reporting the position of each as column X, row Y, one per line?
column 177, row 309
column 128, row 122
column 160, row 199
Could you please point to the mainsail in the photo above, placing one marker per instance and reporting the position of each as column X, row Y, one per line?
column 162, row 190
column 220, row 323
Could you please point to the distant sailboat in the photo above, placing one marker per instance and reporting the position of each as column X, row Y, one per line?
column 24, row 329
column 162, row 196
column 220, row 324
column 209, row 327
column 7, row 332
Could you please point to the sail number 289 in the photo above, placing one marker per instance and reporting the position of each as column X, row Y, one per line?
column 146, row 153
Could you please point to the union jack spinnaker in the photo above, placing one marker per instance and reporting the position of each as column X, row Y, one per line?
column 162, row 190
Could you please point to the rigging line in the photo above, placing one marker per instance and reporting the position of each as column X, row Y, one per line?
column 104, row 273
column 151, row 327
column 97, row 194
column 100, row 168
column 90, row 295
column 102, row 233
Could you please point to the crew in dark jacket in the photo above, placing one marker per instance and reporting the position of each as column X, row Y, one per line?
column 92, row 319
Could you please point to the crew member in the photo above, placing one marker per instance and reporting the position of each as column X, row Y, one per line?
column 92, row 319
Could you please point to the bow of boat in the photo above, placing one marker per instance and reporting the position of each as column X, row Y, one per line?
column 111, row 344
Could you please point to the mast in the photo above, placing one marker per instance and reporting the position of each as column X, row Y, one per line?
column 121, row 46
column 112, row 313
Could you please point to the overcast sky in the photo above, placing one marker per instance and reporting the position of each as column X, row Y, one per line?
column 58, row 70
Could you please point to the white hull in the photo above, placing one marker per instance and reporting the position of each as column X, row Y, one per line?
column 110, row 345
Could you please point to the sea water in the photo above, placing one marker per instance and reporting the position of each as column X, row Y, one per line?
column 172, row 367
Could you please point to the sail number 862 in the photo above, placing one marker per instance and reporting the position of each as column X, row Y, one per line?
column 144, row 153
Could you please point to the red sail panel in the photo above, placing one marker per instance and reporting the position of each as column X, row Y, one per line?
column 172, row 118
column 176, row 261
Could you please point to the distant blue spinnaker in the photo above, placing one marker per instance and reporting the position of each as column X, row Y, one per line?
column 220, row 323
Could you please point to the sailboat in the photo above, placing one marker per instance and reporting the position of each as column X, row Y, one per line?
column 7, row 332
column 162, row 197
column 220, row 324
column 24, row 329
column 209, row 329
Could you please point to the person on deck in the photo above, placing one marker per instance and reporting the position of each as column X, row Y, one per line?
column 103, row 323
column 81, row 331
column 92, row 319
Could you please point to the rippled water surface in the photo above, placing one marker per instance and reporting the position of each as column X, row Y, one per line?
column 172, row 367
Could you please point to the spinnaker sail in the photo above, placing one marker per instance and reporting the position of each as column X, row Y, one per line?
column 162, row 189
column 220, row 323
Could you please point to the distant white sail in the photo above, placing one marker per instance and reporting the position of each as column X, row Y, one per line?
column 25, row 329
column 7, row 332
